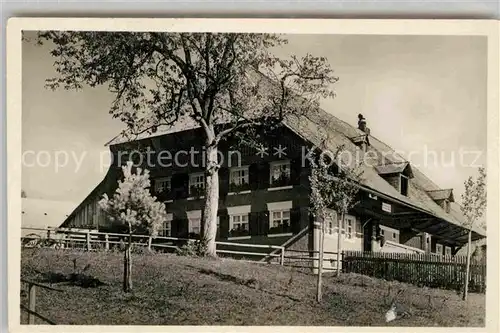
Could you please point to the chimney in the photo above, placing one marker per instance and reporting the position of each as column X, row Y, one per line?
column 361, row 122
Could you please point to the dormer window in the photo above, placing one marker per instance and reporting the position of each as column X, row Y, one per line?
column 361, row 141
column 404, row 184
column 398, row 175
column 443, row 198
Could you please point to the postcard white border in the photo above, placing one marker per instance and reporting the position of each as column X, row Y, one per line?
column 487, row 28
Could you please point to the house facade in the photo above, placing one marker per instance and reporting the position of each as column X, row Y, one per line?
column 264, row 191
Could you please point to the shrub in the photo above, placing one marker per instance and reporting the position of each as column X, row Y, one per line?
column 192, row 249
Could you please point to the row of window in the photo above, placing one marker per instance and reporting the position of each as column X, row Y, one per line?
column 350, row 227
column 439, row 250
column 279, row 220
column 238, row 178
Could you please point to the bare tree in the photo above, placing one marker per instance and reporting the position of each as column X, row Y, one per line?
column 334, row 187
column 159, row 79
column 472, row 207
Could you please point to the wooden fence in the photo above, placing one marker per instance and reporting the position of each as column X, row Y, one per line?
column 101, row 241
column 307, row 260
column 429, row 270
column 31, row 288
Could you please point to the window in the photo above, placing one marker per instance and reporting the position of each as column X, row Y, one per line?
column 239, row 221
column 280, row 173
column 194, row 221
column 196, row 183
column 350, row 224
column 446, row 205
column 166, row 230
column 439, row 249
column 163, row 185
column 447, row 251
column 239, row 176
column 382, row 232
column 394, row 235
column 279, row 217
column 195, row 225
column 238, row 179
column 404, row 185
column 331, row 227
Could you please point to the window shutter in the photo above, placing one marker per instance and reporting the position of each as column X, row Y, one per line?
column 253, row 176
column 223, row 181
column 264, row 222
column 253, row 221
column 180, row 185
column 173, row 228
column 182, row 226
column 295, row 220
column 224, row 224
column 295, row 169
column 264, row 174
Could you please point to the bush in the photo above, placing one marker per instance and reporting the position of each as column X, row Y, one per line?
column 192, row 249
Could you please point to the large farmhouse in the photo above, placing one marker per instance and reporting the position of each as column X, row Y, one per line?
column 264, row 193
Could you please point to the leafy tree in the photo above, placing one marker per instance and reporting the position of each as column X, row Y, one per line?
column 133, row 207
column 160, row 79
column 473, row 207
column 334, row 187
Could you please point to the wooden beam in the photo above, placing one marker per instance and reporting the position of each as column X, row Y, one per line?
column 445, row 230
column 437, row 226
column 428, row 222
column 460, row 233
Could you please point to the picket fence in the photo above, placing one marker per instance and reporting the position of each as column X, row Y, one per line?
column 428, row 270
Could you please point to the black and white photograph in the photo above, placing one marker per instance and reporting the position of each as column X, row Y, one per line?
column 254, row 178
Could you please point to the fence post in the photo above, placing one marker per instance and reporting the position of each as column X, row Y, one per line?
column 342, row 262
column 31, row 303
column 150, row 240
column 88, row 240
column 106, row 245
column 282, row 259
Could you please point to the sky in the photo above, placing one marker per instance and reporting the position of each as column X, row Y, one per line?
column 425, row 96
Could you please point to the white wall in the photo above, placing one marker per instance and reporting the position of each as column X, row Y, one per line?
column 393, row 247
column 355, row 243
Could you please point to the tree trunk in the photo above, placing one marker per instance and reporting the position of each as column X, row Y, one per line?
column 209, row 223
column 127, row 267
column 339, row 240
column 319, row 294
column 467, row 267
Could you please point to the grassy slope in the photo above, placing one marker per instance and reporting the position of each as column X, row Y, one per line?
column 172, row 290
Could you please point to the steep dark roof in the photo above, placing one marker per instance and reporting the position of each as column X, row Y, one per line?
column 324, row 125
column 322, row 128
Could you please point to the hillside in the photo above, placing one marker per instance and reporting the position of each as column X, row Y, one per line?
column 173, row 290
